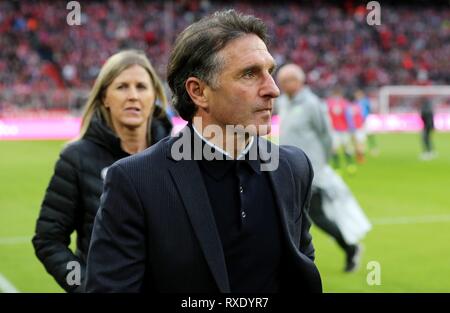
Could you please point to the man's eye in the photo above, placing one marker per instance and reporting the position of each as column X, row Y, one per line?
column 248, row 74
column 121, row 87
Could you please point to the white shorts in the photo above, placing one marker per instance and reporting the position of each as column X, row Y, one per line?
column 342, row 139
column 360, row 135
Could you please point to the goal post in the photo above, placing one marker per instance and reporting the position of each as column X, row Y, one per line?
column 398, row 108
column 386, row 92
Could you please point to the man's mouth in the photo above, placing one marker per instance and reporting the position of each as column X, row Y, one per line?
column 265, row 110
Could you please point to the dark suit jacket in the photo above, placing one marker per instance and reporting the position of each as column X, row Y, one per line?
column 155, row 229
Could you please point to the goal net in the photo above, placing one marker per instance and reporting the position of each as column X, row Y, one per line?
column 398, row 108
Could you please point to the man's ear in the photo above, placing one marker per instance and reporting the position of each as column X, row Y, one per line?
column 196, row 89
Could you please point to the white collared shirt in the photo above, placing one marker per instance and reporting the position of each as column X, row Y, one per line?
column 241, row 155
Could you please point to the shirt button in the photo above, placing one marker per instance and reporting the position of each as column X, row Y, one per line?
column 243, row 214
column 241, row 189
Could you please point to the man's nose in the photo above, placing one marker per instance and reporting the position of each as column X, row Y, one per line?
column 269, row 88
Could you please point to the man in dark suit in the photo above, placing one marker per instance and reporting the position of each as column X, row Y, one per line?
column 217, row 208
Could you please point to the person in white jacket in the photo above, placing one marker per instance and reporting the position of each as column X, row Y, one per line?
column 304, row 123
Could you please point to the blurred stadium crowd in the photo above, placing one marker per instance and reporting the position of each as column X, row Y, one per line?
column 334, row 44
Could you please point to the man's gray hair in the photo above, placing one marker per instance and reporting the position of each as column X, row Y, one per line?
column 196, row 53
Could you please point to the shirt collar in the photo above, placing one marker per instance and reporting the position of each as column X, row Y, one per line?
column 218, row 149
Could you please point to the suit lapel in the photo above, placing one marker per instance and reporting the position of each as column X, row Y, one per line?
column 284, row 193
column 189, row 182
column 286, row 196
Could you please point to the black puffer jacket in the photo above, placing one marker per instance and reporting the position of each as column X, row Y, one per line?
column 73, row 195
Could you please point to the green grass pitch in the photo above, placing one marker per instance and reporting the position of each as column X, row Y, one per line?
column 407, row 200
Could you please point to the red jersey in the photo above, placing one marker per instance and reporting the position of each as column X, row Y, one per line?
column 337, row 107
column 356, row 115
